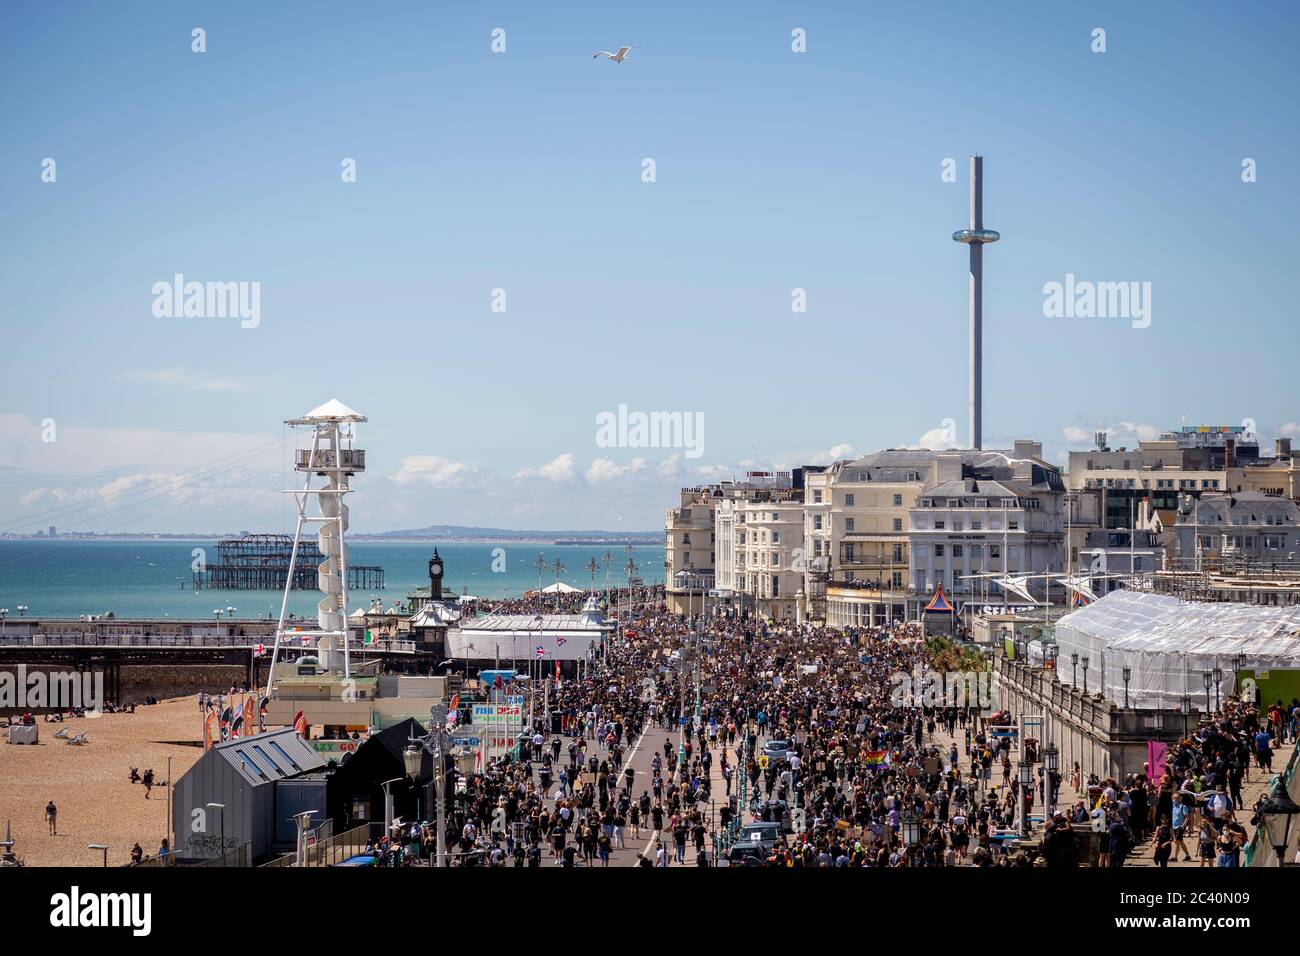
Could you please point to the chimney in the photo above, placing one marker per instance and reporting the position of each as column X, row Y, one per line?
column 946, row 467
column 1282, row 447
column 1230, row 453
column 1027, row 448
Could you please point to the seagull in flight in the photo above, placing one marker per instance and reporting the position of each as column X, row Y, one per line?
column 618, row 57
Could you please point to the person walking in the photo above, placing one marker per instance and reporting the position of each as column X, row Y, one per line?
column 51, row 817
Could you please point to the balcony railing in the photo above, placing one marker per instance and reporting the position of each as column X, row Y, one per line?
column 351, row 459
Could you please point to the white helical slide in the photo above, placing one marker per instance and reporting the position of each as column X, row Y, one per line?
column 329, row 575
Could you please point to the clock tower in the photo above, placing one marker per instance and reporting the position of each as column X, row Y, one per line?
column 435, row 577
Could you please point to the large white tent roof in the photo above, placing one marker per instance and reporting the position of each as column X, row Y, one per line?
column 559, row 587
column 1142, row 622
column 1170, row 645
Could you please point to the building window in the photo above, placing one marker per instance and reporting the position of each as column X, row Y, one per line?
column 848, row 524
column 938, row 524
column 848, row 500
column 817, row 497
column 898, row 524
column 956, row 551
column 898, row 501
column 938, row 551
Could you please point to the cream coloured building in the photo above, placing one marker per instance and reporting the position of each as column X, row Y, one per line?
column 767, row 563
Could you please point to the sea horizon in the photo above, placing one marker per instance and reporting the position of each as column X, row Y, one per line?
column 152, row 578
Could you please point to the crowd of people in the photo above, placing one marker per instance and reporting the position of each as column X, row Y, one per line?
column 804, row 726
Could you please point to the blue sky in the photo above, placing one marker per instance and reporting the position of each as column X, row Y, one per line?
column 522, row 171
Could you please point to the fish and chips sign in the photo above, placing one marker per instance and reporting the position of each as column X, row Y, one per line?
column 497, row 715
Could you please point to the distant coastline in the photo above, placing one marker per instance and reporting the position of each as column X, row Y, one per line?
column 450, row 536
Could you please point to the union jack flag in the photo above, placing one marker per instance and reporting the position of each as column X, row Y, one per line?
column 540, row 651
column 561, row 641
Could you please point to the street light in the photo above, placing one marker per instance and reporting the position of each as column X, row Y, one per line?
column 434, row 744
column 304, row 824
column 1128, row 672
column 1277, row 816
column 1074, row 664
column 1085, row 676
column 1025, row 774
column 1052, row 763
column 1185, row 708
column 911, row 829
column 1206, row 679
column 222, row 808
column 100, row 846
column 1218, row 682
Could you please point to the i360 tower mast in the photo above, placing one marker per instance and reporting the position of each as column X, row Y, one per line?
column 976, row 236
column 332, row 458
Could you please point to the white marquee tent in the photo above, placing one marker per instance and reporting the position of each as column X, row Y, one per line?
column 1169, row 644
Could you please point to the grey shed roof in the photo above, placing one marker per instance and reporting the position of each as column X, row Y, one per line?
column 265, row 758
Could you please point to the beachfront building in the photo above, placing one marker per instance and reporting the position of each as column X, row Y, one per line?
column 1246, row 530
column 1279, row 475
column 689, row 552
column 991, row 519
column 765, row 551
column 691, row 537
column 1194, row 460
column 855, row 535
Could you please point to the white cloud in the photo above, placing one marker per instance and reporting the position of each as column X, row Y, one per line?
column 1288, row 430
column 602, row 469
column 560, row 468
column 179, row 377
column 81, row 450
column 431, row 469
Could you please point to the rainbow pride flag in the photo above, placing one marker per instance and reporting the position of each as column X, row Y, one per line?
column 876, row 759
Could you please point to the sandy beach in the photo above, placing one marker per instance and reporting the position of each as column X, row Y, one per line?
column 89, row 784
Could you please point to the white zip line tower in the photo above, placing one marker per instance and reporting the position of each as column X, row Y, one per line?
column 331, row 457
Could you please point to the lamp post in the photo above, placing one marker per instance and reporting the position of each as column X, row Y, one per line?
column 1185, row 708
column 1084, row 661
column 304, row 825
column 1128, row 672
column 388, row 804
column 1025, row 774
column 559, row 569
column 1277, row 818
column 1074, row 665
column 1218, row 682
column 1051, row 764
column 222, row 808
column 911, row 829
column 434, row 744
column 1206, row 680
